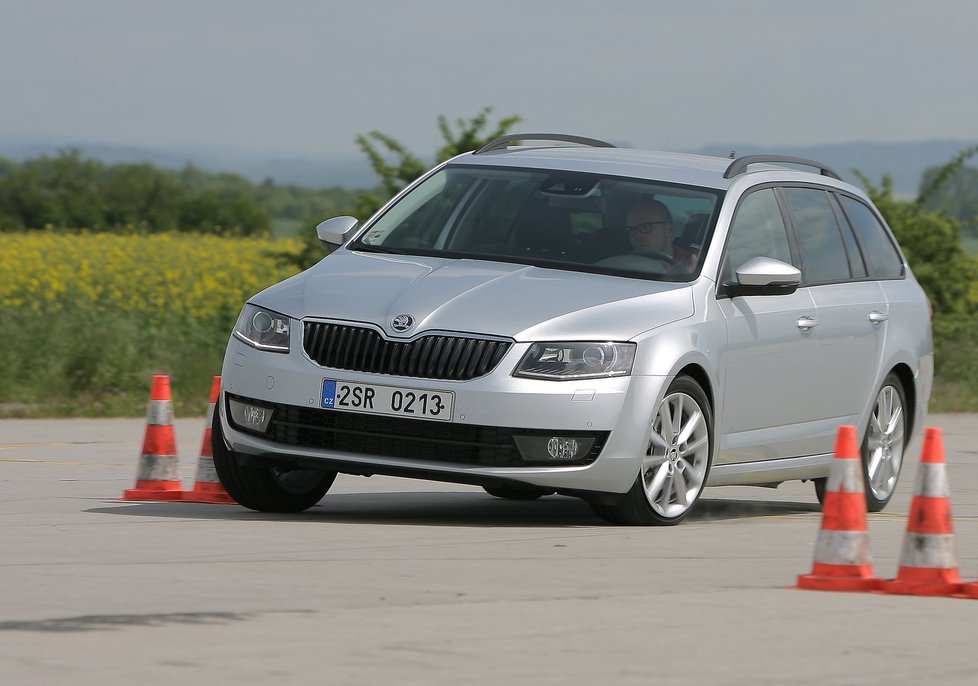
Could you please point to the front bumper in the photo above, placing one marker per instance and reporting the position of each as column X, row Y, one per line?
column 616, row 411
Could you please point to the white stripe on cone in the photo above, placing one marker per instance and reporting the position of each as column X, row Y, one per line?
column 929, row 550
column 843, row 548
column 932, row 481
column 160, row 413
column 158, row 468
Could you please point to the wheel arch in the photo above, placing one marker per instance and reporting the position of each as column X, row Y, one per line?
column 698, row 374
column 906, row 377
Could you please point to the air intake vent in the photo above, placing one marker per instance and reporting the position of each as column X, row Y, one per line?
column 430, row 357
column 405, row 439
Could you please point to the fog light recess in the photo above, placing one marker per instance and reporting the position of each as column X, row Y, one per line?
column 553, row 448
column 249, row 416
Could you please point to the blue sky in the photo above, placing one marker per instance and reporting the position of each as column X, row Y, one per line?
column 308, row 76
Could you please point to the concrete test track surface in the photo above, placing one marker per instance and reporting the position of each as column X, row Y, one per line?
column 411, row 582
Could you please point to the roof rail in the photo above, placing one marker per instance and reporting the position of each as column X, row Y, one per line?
column 739, row 165
column 504, row 141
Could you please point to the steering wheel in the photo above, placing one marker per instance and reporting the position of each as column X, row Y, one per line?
column 657, row 255
column 638, row 260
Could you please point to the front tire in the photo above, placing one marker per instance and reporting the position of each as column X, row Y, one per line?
column 266, row 488
column 676, row 463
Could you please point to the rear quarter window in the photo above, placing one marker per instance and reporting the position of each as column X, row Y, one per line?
column 880, row 255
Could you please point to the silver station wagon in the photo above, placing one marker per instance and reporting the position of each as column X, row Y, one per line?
column 552, row 314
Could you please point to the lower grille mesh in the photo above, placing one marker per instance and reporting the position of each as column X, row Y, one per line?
column 487, row 446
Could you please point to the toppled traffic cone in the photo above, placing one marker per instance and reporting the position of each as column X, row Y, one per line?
column 157, row 477
column 842, row 559
column 208, row 488
column 928, row 562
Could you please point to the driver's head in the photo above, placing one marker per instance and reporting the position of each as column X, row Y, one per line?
column 649, row 226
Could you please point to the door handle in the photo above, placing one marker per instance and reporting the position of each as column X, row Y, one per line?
column 878, row 317
column 806, row 323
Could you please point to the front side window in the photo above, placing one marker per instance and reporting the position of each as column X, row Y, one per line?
column 757, row 231
column 566, row 220
column 823, row 252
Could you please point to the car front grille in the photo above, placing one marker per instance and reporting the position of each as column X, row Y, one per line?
column 411, row 439
column 360, row 349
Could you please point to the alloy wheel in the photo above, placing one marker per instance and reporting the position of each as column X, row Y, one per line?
column 885, row 443
column 676, row 462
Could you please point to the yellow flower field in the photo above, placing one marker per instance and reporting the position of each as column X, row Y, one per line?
column 159, row 276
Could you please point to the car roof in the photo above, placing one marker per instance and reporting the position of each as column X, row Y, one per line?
column 698, row 170
column 683, row 168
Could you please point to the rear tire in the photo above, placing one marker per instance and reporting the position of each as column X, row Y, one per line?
column 676, row 463
column 820, row 486
column 885, row 443
column 883, row 446
column 266, row 488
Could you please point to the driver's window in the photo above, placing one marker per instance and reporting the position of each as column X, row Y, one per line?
column 757, row 231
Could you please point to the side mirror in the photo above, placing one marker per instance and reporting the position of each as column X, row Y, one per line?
column 335, row 232
column 764, row 276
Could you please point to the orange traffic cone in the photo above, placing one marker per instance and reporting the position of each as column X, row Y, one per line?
column 157, row 477
column 928, row 562
column 208, row 488
column 842, row 560
column 970, row 590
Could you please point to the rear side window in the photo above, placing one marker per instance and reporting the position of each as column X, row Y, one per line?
column 856, row 265
column 881, row 256
column 823, row 253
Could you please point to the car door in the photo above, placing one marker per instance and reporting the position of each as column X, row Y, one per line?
column 766, row 361
column 851, row 311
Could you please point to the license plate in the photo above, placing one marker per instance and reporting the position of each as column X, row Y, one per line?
column 390, row 400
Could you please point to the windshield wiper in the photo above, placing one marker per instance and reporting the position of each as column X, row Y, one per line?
column 362, row 247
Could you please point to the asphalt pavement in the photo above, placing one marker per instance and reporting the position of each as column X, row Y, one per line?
column 410, row 582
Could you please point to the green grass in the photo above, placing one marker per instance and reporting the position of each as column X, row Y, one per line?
column 89, row 364
column 956, row 368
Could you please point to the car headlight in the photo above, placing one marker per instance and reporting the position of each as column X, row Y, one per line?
column 263, row 329
column 567, row 361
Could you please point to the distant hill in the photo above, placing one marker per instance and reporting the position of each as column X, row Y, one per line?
column 314, row 171
column 906, row 162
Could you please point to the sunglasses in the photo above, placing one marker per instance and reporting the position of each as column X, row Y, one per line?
column 646, row 227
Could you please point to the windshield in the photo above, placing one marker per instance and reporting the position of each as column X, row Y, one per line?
column 566, row 220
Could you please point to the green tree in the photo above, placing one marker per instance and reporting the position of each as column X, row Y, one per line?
column 471, row 135
column 10, row 216
column 229, row 212
column 299, row 203
column 70, row 192
column 953, row 189
column 143, row 197
column 397, row 167
column 932, row 244
column 396, row 174
column 61, row 191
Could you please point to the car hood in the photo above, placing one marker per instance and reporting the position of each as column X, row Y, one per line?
column 479, row 297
